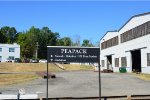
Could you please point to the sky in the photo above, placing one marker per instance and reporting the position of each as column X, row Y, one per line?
column 75, row 19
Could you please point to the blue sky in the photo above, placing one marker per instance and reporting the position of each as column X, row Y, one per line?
column 75, row 19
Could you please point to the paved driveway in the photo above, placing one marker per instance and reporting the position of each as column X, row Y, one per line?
column 83, row 84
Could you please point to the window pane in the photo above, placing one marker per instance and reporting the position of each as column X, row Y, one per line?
column 0, row 49
column 102, row 63
column 0, row 58
column 109, row 43
column 116, row 62
column 11, row 49
column 123, row 62
column 148, row 59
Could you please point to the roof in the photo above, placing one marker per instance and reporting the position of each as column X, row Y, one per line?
column 139, row 15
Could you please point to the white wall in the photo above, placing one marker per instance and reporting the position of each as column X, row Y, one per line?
column 136, row 21
column 120, row 50
column 5, row 51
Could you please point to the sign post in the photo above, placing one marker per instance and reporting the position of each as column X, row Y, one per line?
column 99, row 72
column 59, row 54
column 47, row 76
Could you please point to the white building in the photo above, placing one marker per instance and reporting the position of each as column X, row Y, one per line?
column 128, row 47
column 10, row 51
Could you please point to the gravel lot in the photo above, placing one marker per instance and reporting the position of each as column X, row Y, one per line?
column 83, row 84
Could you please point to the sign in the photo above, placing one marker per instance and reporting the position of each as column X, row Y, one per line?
column 73, row 54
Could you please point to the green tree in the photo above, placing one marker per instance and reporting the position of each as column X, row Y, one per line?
column 32, row 38
column 60, row 42
column 46, row 38
column 43, row 41
column 9, row 34
column 86, row 43
column 66, row 41
column 2, row 38
column 25, row 47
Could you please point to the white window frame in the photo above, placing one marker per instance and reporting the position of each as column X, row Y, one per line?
column 11, row 49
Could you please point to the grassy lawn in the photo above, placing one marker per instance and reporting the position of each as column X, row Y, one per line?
column 70, row 67
column 7, row 79
column 27, row 67
column 142, row 76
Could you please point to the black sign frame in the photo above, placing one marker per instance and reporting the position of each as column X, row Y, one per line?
column 68, row 54
column 64, row 54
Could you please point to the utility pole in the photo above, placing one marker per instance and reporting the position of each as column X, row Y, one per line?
column 36, row 55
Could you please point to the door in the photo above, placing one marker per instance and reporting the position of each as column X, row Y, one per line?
column 136, row 60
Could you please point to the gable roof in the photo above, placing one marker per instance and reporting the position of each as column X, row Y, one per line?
column 139, row 15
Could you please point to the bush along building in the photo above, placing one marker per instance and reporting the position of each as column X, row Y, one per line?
column 128, row 47
column 9, row 52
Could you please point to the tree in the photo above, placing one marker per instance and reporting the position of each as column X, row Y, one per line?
column 2, row 38
column 60, row 42
column 12, row 35
column 25, row 47
column 86, row 43
column 46, row 38
column 66, row 41
column 9, row 34
column 32, row 39
column 77, row 41
column 29, row 39
column 43, row 41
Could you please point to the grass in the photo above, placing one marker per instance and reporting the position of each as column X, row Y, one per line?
column 70, row 67
column 142, row 76
column 7, row 79
column 27, row 67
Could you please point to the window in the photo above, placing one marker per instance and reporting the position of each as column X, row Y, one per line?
column 0, row 49
column 123, row 62
column 116, row 62
column 136, row 32
column 103, row 63
column 11, row 49
column 0, row 58
column 148, row 59
column 109, row 43
column 11, row 57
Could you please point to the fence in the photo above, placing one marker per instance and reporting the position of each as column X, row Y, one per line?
column 124, row 97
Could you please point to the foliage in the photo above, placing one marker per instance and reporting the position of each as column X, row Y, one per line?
column 66, row 41
column 8, row 34
column 36, row 40
column 86, row 43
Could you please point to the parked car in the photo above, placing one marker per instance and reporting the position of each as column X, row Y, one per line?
column 25, row 60
column 9, row 60
column 18, row 60
column 43, row 61
column 34, row 61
